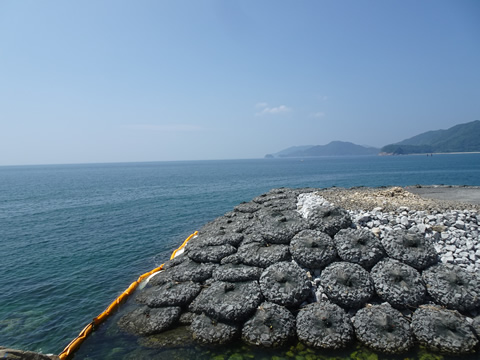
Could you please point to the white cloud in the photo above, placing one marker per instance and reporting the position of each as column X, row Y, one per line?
column 163, row 128
column 317, row 115
column 273, row 110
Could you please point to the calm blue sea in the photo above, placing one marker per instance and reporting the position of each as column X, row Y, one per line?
column 73, row 237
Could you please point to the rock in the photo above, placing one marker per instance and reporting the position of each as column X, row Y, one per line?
column 237, row 273
column 313, row 249
column 12, row 354
column 383, row 329
column 411, row 248
column 324, row 325
column 443, row 330
column 329, row 219
column 453, row 287
column 146, row 321
column 263, row 254
column 347, row 284
column 359, row 246
column 187, row 270
column 175, row 338
column 285, row 283
column 210, row 253
column 398, row 283
column 476, row 326
column 227, row 301
column 279, row 227
column 272, row 325
column 209, row 331
column 171, row 293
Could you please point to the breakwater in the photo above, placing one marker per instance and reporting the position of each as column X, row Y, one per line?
column 291, row 265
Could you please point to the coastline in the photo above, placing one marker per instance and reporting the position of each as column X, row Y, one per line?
column 399, row 198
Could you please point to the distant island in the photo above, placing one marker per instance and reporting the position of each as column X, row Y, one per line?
column 334, row 148
column 459, row 138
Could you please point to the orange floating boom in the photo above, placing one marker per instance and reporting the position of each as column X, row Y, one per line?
column 87, row 330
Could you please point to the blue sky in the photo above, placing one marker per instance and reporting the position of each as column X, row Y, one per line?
column 113, row 81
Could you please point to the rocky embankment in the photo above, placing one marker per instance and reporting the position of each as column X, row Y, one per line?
column 325, row 267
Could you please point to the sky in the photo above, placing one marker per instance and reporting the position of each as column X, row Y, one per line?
column 98, row 81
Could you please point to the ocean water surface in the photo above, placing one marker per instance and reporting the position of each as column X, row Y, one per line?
column 74, row 237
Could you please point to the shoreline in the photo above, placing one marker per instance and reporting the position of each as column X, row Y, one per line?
column 400, row 207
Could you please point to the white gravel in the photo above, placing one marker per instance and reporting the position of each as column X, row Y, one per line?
column 455, row 233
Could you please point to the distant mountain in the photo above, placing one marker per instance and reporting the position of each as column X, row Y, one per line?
column 459, row 138
column 335, row 148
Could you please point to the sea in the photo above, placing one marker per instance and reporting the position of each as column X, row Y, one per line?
column 73, row 237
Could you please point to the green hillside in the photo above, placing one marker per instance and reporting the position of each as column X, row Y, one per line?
column 459, row 138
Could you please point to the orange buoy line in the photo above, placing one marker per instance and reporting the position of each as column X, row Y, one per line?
column 75, row 343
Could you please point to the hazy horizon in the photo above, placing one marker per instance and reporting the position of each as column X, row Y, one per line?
column 124, row 81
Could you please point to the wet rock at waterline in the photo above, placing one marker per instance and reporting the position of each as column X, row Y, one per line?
column 146, row 321
column 206, row 330
column 291, row 266
column 272, row 325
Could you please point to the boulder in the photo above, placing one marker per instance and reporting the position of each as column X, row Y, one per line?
column 410, row 247
column 359, row 246
column 228, row 301
column 146, row 321
column 171, row 293
column 324, row 325
column 347, row 284
column 263, row 254
column 451, row 286
column 329, row 219
column 206, row 330
column 383, row 329
column 313, row 249
column 443, row 330
column 272, row 325
column 398, row 283
column 237, row 272
column 285, row 283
